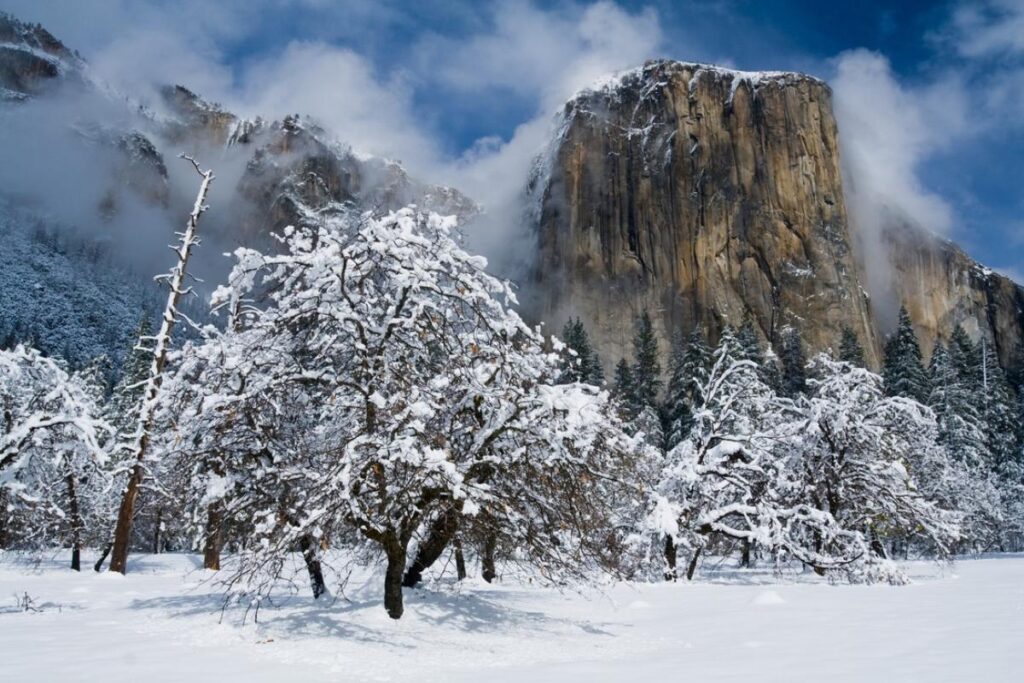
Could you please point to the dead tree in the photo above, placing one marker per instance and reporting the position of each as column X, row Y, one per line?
column 147, row 409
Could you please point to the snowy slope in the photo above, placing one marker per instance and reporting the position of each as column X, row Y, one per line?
column 161, row 623
column 67, row 296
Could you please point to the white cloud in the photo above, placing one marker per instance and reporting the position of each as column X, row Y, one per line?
column 984, row 29
column 342, row 91
column 543, row 54
column 887, row 132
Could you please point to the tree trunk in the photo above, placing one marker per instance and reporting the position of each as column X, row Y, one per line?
column 441, row 533
column 876, row 544
column 103, row 557
column 157, row 530
column 76, row 524
column 487, row 567
column 3, row 519
column 312, row 560
column 211, row 544
column 393, row 578
column 123, row 529
column 147, row 409
column 745, row 554
column 670, row 559
column 693, row 564
column 460, row 560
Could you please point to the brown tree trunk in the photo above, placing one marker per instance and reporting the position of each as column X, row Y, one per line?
column 211, row 544
column 76, row 524
column 123, row 529
column 313, row 567
column 487, row 566
column 393, row 578
column 670, row 559
column 441, row 533
column 693, row 564
column 460, row 559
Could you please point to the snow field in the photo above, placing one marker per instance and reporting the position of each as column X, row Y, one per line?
column 162, row 622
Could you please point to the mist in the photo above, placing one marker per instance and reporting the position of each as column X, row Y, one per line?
column 63, row 159
column 886, row 133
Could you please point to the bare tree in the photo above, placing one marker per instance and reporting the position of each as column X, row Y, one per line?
column 147, row 409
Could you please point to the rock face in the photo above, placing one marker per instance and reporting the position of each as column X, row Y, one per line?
column 291, row 169
column 942, row 287
column 703, row 195
column 31, row 59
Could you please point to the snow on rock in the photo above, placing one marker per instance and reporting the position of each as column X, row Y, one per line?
column 650, row 76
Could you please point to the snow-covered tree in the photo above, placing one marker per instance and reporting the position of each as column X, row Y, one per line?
column 417, row 391
column 646, row 365
column 794, row 375
column 676, row 416
column 999, row 409
column 850, row 350
column 720, row 479
column 961, row 428
column 52, row 454
column 124, row 401
column 749, row 342
column 903, row 371
column 580, row 362
column 860, row 452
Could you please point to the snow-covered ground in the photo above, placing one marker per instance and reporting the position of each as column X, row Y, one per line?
column 162, row 623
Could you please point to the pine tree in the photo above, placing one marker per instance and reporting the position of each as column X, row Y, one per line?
column 964, row 356
column 1015, row 370
column 585, row 365
column 750, row 343
column 903, row 371
column 573, row 338
column 124, row 400
column 750, row 349
column 960, row 426
column 999, row 409
column 625, row 387
column 646, row 367
column 676, row 415
column 850, row 350
column 794, row 373
column 696, row 365
column 728, row 347
column 95, row 378
column 771, row 375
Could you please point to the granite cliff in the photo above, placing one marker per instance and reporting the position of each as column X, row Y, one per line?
column 707, row 195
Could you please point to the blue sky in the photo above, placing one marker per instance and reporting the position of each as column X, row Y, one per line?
column 929, row 95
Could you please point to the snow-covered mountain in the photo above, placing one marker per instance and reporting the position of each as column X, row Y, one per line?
column 120, row 189
column 703, row 194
